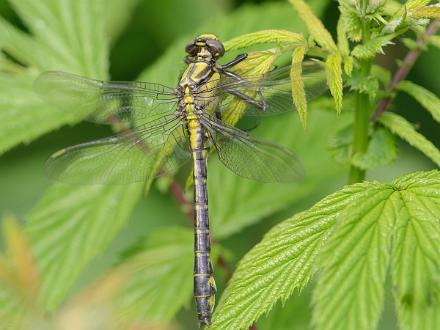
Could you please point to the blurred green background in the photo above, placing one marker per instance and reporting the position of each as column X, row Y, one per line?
column 153, row 27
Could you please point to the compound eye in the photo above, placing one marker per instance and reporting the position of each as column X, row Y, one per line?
column 191, row 48
column 216, row 47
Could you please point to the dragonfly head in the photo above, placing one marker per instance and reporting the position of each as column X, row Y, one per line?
column 205, row 44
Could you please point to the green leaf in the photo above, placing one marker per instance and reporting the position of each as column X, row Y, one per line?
column 298, row 92
column 426, row 98
column 416, row 253
column 399, row 126
column 343, row 45
column 426, row 12
column 366, row 85
column 71, row 34
column 349, row 235
column 334, row 78
column 159, row 277
column 350, row 290
column 396, row 21
column 66, row 36
column 80, row 221
column 351, row 20
column 373, row 46
column 412, row 4
column 282, row 262
column 314, row 25
column 282, row 37
column 381, row 150
column 22, row 109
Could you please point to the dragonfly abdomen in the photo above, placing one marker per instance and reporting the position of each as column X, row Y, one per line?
column 204, row 284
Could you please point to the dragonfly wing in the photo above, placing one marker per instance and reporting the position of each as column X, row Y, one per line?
column 250, row 157
column 129, row 157
column 104, row 101
column 273, row 88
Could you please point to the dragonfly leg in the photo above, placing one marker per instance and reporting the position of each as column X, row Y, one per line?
column 232, row 75
column 259, row 104
column 235, row 61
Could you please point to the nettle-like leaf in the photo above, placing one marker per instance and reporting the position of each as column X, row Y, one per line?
column 158, row 277
column 373, row 46
column 366, row 85
column 349, row 235
column 56, row 43
column 415, row 254
column 432, row 11
column 334, row 78
column 314, row 25
column 281, row 37
column 334, row 60
column 426, row 98
column 350, row 19
column 298, row 92
column 70, row 226
column 396, row 21
column 412, row 4
column 69, row 36
column 406, row 131
column 350, row 290
column 343, row 46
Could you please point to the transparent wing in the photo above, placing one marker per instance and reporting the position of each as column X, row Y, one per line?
column 250, row 157
column 129, row 157
column 273, row 88
column 104, row 101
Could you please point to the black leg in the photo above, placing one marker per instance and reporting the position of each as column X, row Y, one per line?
column 235, row 61
column 233, row 75
column 249, row 100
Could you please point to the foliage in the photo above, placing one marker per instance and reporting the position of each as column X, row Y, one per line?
column 350, row 236
column 350, row 240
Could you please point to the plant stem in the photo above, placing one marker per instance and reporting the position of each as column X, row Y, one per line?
column 404, row 69
column 361, row 114
column 360, row 134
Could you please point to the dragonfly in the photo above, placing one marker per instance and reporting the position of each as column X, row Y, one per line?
column 164, row 127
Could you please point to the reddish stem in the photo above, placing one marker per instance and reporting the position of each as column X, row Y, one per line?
column 404, row 69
